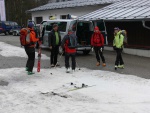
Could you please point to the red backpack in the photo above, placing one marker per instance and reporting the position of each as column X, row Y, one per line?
column 25, row 37
column 97, row 40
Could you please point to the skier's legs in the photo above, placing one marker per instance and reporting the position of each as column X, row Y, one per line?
column 117, row 57
column 102, row 56
column 73, row 58
column 67, row 60
column 52, row 56
column 56, row 54
column 27, row 64
column 96, row 49
column 31, row 55
column 121, row 59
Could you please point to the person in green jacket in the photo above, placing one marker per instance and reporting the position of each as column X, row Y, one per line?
column 118, row 47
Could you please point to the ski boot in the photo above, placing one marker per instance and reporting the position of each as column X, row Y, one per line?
column 27, row 69
column 98, row 64
column 30, row 73
column 121, row 66
column 104, row 64
column 116, row 67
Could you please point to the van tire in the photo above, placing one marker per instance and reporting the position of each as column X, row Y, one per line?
column 86, row 52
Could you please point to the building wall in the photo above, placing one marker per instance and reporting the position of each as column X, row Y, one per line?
column 58, row 12
column 138, row 36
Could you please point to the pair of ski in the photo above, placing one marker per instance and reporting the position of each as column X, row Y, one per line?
column 73, row 89
column 39, row 57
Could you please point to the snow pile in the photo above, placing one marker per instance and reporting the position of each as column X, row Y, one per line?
column 111, row 93
column 8, row 50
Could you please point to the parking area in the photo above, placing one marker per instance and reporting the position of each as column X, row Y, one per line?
column 134, row 65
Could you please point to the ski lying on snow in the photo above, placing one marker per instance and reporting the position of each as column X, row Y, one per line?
column 77, row 88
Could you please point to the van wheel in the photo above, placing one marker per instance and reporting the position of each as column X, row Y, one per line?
column 86, row 52
column 5, row 33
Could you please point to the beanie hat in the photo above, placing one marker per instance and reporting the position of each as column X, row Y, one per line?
column 30, row 25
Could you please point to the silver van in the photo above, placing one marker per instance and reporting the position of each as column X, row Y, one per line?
column 83, row 30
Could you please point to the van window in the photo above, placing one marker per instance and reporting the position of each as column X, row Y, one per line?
column 0, row 24
column 73, row 25
column 62, row 26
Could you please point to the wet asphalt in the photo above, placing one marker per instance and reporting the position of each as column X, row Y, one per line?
column 134, row 65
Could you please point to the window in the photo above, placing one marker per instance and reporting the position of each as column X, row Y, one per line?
column 7, row 23
column 63, row 16
column 73, row 25
column 62, row 26
column 38, row 20
column 0, row 24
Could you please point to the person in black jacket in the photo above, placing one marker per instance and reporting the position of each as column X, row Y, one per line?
column 54, row 40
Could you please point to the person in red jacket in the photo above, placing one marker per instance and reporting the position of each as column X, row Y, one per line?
column 30, row 49
column 97, row 41
column 70, row 50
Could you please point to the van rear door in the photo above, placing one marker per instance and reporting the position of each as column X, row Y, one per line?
column 102, row 27
column 84, row 32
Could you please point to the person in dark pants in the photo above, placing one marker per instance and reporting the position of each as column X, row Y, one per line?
column 54, row 40
column 70, row 50
column 97, row 41
column 30, row 50
column 118, row 47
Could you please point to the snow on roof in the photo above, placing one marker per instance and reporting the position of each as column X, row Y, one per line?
column 124, row 10
column 70, row 4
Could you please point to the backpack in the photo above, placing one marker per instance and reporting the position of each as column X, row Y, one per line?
column 72, row 41
column 25, row 37
column 97, row 39
column 124, row 33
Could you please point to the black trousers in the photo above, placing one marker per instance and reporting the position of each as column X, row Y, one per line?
column 119, row 60
column 73, row 58
column 99, row 54
column 54, row 55
column 30, row 51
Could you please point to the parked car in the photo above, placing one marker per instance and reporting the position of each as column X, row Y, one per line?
column 83, row 29
column 15, row 29
column 7, row 26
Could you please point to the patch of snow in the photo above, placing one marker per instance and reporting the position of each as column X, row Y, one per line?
column 111, row 93
column 8, row 50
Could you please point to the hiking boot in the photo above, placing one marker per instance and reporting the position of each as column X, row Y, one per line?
column 30, row 73
column 104, row 64
column 116, row 67
column 27, row 69
column 52, row 65
column 73, row 71
column 98, row 64
column 57, row 65
column 121, row 66
column 68, row 70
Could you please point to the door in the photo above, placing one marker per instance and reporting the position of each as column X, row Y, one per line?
column 102, row 27
column 84, row 32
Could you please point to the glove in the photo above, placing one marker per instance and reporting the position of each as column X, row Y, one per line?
column 92, row 49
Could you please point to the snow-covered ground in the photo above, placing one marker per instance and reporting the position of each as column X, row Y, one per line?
column 8, row 50
column 110, row 92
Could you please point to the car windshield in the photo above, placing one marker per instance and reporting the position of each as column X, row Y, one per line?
column 7, row 23
column 14, row 24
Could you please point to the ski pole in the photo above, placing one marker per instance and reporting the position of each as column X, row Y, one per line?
column 78, row 65
column 59, row 59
